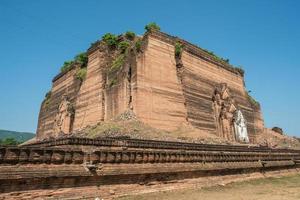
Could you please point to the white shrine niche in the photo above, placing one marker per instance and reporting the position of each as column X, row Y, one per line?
column 240, row 127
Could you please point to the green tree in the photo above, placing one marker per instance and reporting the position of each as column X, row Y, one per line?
column 9, row 141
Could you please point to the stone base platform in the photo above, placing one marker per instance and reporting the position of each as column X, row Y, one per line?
column 108, row 164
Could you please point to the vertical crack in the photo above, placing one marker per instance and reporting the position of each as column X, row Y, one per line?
column 129, row 75
column 180, row 72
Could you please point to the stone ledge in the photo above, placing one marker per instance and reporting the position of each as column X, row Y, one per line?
column 23, row 156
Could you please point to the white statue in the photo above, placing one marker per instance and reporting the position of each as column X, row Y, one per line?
column 240, row 127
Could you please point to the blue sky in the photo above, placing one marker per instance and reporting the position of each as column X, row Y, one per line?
column 261, row 36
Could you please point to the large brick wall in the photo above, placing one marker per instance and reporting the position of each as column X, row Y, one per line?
column 63, row 84
column 89, row 109
column 159, row 100
column 149, row 83
column 166, row 103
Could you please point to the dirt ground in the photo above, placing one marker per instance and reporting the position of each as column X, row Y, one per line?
column 283, row 188
column 271, row 185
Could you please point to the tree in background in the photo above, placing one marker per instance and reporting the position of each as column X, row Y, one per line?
column 9, row 141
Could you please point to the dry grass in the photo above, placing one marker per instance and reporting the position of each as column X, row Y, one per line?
column 284, row 188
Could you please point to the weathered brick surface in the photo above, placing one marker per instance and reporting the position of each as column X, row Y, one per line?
column 150, row 84
column 89, row 109
column 65, row 84
column 159, row 99
column 81, row 162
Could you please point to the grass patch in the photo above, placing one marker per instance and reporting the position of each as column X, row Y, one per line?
column 263, row 188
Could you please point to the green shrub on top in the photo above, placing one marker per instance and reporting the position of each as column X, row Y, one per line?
column 66, row 66
column 110, row 39
column 130, row 35
column 81, row 59
column 152, row 26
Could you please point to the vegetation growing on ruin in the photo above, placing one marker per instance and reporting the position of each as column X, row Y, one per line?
column 152, row 27
column 138, row 45
column 240, row 70
column 48, row 95
column 47, row 99
column 178, row 49
column 95, row 43
column 220, row 59
column 112, row 82
column 122, row 46
column 252, row 100
column 66, row 66
column 119, row 54
column 81, row 59
column 117, row 63
column 71, row 109
column 81, row 74
column 130, row 35
column 215, row 56
column 110, row 39
column 123, row 43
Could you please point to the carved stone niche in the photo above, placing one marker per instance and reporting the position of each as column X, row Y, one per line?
column 64, row 117
column 230, row 122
